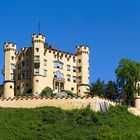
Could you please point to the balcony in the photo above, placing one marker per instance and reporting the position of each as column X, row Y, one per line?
column 58, row 79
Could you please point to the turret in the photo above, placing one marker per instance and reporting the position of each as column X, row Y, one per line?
column 38, row 42
column 82, row 70
column 9, row 67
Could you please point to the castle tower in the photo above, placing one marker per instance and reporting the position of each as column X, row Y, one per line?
column 38, row 42
column 82, row 70
column 9, row 67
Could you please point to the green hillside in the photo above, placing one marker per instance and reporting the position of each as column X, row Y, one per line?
column 50, row 123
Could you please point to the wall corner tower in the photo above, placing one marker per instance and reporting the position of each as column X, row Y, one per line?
column 82, row 53
column 38, row 42
column 9, row 69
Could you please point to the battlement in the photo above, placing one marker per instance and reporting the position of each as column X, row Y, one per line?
column 82, row 49
column 9, row 46
column 38, row 38
column 68, row 103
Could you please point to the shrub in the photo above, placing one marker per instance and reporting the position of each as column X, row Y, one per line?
column 69, row 93
column 47, row 91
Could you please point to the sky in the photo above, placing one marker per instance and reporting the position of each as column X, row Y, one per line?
column 111, row 28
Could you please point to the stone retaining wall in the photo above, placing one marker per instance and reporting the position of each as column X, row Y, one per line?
column 96, row 103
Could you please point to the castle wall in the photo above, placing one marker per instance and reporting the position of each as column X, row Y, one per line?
column 96, row 103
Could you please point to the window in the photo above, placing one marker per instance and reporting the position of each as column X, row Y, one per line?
column 10, row 86
column 27, row 85
column 74, row 79
column 79, row 69
column 12, row 66
column 72, row 89
column 74, row 69
column 12, row 57
column 68, row 77
column 37, row 49
column 58, row 65
column 37, row 58
column 45, row 73
column 58, row 74
column 45, row 62
column 79, row 60
column 18, row 87
column 56, row 85
column 12, row 76
column 68, row 59
column 68, row 67
column 79, row 79
column 22, row 74
column 138, row 85
column 36, row 70
column 74, row 60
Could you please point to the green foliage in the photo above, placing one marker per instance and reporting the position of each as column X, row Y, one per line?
column 128, row 74
column 111, row 91
column 69, row 93
column 27, row 94
column 47, row 91
column 97, row 88
column 108, row 90
column 50, row 123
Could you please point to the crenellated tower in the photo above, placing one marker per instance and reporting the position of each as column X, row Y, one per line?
column 38, row 42
column 82, row 70
column 9, row 68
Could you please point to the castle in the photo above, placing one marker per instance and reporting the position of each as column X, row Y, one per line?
column 36, row 67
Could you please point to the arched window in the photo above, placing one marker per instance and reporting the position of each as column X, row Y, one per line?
column 58, row 74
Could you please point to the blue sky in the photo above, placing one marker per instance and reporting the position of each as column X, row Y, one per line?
column 110, row 27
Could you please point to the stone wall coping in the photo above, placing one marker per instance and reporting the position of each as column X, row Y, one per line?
column 53, row 98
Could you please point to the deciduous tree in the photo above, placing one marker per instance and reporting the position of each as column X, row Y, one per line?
column 127, row 75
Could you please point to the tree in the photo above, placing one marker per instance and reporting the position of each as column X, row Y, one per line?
column 47, row 91
column 98, row 87
column 127, row 75
column 111, row 90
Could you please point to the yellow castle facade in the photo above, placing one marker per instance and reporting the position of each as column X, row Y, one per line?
column 36, row 67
